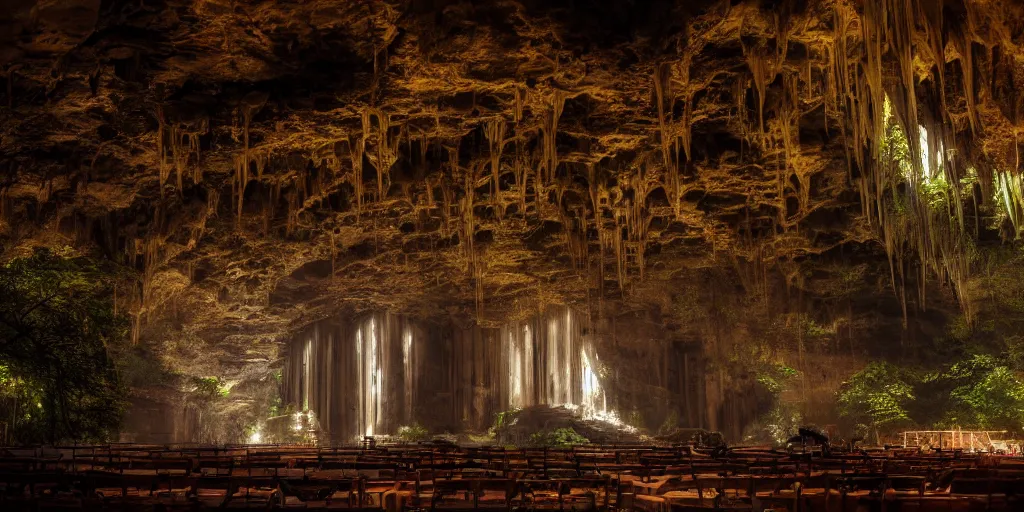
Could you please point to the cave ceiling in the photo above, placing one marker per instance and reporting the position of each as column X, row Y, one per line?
column 263, row 164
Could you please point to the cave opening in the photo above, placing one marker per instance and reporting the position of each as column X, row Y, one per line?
column 553, row 241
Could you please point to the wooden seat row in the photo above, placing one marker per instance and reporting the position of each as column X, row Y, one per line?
column 429, row 477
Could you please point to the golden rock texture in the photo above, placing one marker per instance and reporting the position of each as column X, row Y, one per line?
column 260, row 165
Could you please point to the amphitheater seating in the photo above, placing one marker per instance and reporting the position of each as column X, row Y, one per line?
column 420, row 478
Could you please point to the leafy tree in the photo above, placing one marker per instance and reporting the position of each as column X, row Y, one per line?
column 985, row 394
column 57, row 328
column 781, row 419
column 877, row 397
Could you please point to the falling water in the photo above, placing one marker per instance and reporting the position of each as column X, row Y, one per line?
column 556, row 366
column 370, row 376
column 350, row 374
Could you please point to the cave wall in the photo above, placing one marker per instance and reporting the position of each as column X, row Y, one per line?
column 373, row 374
column 716, row 166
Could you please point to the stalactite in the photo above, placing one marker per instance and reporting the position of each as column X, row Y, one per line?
column 519, row 167
column 242, row 161
column 494, row 132
column 387, row 146
column 357, row 147
column 180, row 143
column 637, row 219
column 160, row 151
column 620, row 261
column 870, row 95
column 575, row 237
column 660, row 83
column 686, row 123
column 961, row 43
column 334, row 254
column 292, row 215
column 598, row 197
column 178, row 156
column 518, row 102
column 762, row 71
column 474, row 263
column 930, row 13
column 446, row 206
column 149, row 249
column 550, row 131
column 900, row 33
column 193, row 147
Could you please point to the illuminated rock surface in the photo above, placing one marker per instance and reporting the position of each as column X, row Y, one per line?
column 707, row 183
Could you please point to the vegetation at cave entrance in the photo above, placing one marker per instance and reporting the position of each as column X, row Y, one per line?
column 983, row 393
column 978, row 392
column 561, row 437
column 877, row 398
column 413, row 433
column 782, row 418
column 503, row 419
column 58, row 329
column 210, row 388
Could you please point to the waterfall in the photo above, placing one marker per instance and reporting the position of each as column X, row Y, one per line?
column 357, row 377
column 368, row 376
column 558, row 365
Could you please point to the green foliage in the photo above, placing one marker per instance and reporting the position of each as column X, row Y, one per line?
column 936, row 192
column 980, row 392
column 894, row 146
column 505, row 418
column 15, row 391
column 274, row 409
column 776, row 426
column 209, row 388
column 773, row 377
column 878, row 396
column 984, row 393
column 959, row 329
column 57, row 331
column 562, row 437
column 844, row 280
column 1015, row 351
column 413, row 433
column 813, row 329
column 780, row 419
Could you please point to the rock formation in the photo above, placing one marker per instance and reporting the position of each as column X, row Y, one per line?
column 709, row 178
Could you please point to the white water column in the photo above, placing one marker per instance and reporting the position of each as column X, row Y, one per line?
column 548, row 360
column 350, row 374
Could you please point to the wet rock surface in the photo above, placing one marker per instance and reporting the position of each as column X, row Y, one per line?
column 260, row 165
column 531, row 424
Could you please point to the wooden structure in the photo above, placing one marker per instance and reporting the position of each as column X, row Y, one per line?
column 450, row 478
column 965, row 440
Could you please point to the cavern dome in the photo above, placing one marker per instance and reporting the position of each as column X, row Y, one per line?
column 326, row 223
